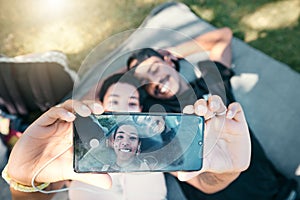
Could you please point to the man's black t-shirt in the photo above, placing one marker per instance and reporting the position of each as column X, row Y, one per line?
column 261, row 180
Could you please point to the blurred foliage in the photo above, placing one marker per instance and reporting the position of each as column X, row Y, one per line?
column 76, row 27
column 107, row 122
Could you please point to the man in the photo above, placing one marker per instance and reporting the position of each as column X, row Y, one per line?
column 168, row 91
column 160, row 72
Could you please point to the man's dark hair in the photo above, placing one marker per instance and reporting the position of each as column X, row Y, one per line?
column 142, row 54
column 121, row 78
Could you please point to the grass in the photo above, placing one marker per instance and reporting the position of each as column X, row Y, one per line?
column 76, row 27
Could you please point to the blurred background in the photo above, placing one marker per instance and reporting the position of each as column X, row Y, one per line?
column 75, row 27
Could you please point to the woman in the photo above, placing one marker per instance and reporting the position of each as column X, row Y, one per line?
column 127, row 147
column 122, row 93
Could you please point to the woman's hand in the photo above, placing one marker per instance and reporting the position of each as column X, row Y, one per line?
column 45, row 138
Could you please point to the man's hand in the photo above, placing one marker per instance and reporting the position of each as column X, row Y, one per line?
column 227, row 147
column 48, row 136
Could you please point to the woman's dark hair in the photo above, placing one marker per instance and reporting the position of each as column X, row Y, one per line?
column 142, row 54
column 112, row 132
column 122, row 78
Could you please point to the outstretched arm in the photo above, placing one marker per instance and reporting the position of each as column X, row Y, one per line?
column 45, row 138
column 227, row 146
column 217, row 42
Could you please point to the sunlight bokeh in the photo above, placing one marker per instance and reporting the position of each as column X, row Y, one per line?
column 271, row 16
column 76, row 27
column 63, row 26
column 64, row 37
column 245, row 82
column 206, row 14
column 71, row 26
column 53, row 6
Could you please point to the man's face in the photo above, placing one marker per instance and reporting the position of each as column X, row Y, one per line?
column 161, row 79
column 151, row 124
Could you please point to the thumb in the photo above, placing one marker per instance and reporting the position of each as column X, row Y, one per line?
column 99, row 180
column 185, row 176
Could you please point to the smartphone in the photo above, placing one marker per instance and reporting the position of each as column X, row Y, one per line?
column 138, row 142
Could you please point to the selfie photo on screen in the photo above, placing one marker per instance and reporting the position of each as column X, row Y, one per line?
column 138, row 143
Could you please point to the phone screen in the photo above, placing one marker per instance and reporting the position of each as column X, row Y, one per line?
column 138, row 142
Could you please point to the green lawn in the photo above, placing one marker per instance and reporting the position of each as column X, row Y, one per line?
column 75, row 26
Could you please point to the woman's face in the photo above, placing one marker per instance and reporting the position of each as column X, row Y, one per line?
column 122, row 97
column 126, row 142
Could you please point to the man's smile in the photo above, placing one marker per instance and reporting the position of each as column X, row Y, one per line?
column 163, row 87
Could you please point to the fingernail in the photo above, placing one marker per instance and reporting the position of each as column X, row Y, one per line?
column 188, row 109
column 201, row 109
column 85, row 108
column 229, row 114
column 214, row 105
column 69, row 115
column 97, row 106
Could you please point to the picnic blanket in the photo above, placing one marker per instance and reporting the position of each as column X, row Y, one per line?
column 266, row 88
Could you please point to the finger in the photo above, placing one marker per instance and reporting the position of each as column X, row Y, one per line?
column 235, row 112
column 54, row 114
column 201, row 109
column 189, row 109
column 78, row 107
column 68, row 105
column 98, row 180
column 95, row 107
column 216, row 105
column 185, row 176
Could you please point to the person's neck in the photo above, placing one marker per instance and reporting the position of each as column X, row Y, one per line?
column 124, row 163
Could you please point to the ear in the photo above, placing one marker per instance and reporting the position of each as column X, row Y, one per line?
column 133, row 63
column 169, row 61
column 111, row 142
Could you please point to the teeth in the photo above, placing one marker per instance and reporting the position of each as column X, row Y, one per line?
column 164, row 88
column 125, row 150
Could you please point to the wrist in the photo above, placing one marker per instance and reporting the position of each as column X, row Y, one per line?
column 20, row 186
column 214, row 182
